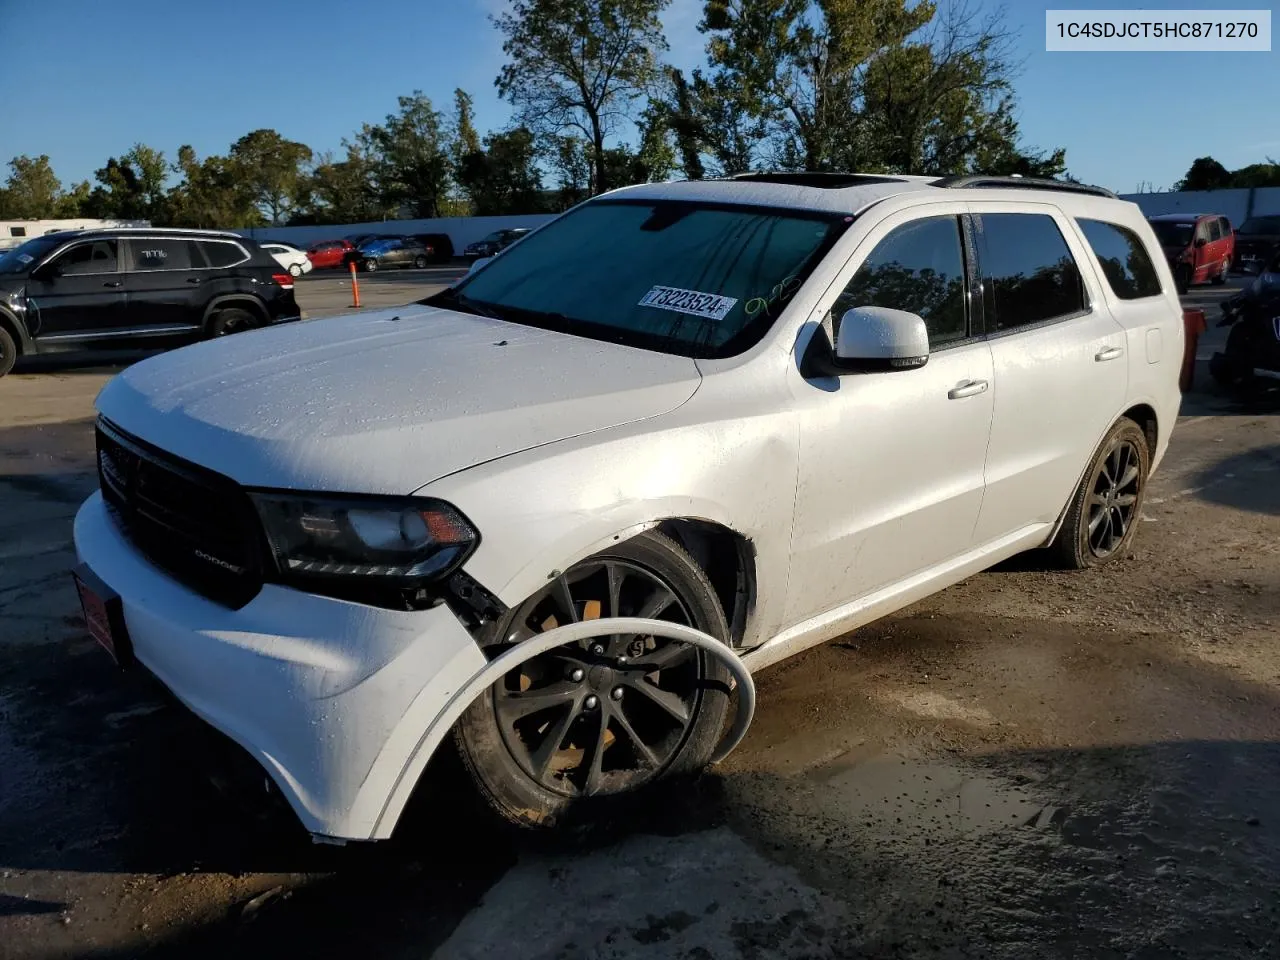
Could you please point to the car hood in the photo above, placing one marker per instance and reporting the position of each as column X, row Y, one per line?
column 385, row 402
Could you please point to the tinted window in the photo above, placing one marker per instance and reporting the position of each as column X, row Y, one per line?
column 221, row 254
column 22, row 258
column 99, row 256
column 918, row 267
column 1123, row 259
column 162, row 253
column 1172, row 233
column 1215, row 230
column 1260, row 225
column 17, row 231
column 1033, row 275
column 683, row 278
column 1225, row 224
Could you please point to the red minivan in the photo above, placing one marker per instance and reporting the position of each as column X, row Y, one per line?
column 329, row 253
column 1200, row 246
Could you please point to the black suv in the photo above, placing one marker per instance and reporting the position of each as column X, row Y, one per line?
column 135, row 289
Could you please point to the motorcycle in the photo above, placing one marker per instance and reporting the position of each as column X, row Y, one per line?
column 1250, row 361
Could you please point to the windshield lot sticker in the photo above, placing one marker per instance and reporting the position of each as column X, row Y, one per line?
column 709, row 305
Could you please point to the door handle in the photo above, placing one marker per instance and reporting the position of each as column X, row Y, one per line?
column 193, row 279
column 112, row 283
column 1108, row 353
column 970, row 388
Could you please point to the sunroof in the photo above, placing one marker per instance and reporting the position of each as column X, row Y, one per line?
column 827, row 181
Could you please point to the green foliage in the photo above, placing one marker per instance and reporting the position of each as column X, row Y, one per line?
column 32, row 190
column 271, row 167
column 503, row 177
column 408, row 156
column 580, row 67
column 1207, row 173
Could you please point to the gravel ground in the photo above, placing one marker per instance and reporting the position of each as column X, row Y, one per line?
column 1030, row 764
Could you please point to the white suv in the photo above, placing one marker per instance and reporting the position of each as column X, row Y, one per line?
column 773, row 408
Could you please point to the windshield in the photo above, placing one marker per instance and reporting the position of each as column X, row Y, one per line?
column 22, row 258
column 1173, row 234
column 699, row 280
column 1260, row 225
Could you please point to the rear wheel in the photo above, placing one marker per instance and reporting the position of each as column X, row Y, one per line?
column 574, row 732
column 1103, row 516
column 295, row 269
column 8, row 351
column 371, row 265
column 231, row 320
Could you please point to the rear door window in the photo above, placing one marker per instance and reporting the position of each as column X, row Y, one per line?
column 1032, row 276
column 155, row 254
column 1124, row 260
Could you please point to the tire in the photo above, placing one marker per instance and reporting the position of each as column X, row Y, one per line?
column 295, row 270
column 231, row 320
column 371, row 266
column 420, row 263
column 8, row 351
column 1088, row 537
column 501, row 755
column 1182, row 280
column 1221, row 278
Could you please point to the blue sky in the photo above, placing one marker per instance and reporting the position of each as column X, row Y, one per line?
column 85, row 79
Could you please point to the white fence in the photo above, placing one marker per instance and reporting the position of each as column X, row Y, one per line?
column 1237, row 205
column 461, row 230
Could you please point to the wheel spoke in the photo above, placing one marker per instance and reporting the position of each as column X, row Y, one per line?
column 1127, row 477
column 661, row 599
column 1096, row 521
column 514, row 706
column 1125, row 500
column 665, row 657
column 1113, row 463
column 594, row 760
column 642, row 749
column 564, row 597
column 615, row 577
column 672, row 705
column 1096, row 499
column 541, row 758
column 1118, row 522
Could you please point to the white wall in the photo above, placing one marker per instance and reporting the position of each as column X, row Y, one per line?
column 1233, row 204
column 461, row 230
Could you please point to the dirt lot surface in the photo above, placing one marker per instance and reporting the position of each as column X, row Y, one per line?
column 1031, row 764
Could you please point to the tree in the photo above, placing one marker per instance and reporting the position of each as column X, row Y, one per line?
column 212, row 194
column 272, row 168
column 409, row 157
column 1256, row 175
column 570, row 158
column 72, row 203
column 686, row 126
column 32, row 191
column 503, row 178
column 656, row 158
column 579, row 67
column 465, row 138
column 1205, row 173
column 342, row 191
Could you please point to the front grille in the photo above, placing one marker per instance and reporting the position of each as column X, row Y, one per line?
column 197, row 525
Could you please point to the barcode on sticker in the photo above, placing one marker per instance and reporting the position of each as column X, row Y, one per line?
column 698, row 304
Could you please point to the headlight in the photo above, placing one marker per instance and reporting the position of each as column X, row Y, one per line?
column 392, row 541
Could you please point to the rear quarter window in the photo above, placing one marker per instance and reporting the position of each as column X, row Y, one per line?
column 1123, row 259
column 221, row 254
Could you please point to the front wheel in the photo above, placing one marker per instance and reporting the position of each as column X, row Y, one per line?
column 420, row 262
column 1102, row 518
column 1221, row 278
column 8, row 351
column 577, row 730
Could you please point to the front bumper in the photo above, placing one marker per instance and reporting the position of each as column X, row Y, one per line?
column 334, row 699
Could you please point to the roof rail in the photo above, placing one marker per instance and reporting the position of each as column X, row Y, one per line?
column 971, row 181
column 803, row 178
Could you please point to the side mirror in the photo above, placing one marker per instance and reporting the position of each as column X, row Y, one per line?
column 1200, row 241
column 881, row 338
column 478, row 264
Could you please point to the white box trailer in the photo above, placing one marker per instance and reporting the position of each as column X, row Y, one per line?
column 15, row 232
